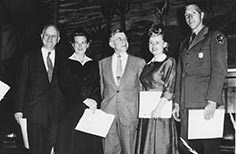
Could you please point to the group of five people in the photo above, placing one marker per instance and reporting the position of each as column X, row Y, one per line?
column 54, row 101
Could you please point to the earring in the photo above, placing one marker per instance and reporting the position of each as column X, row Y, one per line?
column 165, row 45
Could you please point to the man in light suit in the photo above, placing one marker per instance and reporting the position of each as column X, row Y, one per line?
column 38, row 95
column 201, row 72
column 120, row 85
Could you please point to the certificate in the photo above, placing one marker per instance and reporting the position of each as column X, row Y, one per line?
column 97, row 123
column 23, row 125
column 200, row 128
column 148, row 100
column 3, row 89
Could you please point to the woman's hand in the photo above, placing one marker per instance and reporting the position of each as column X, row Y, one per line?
column 175, row 112
column 91, row 103
column 156, row 113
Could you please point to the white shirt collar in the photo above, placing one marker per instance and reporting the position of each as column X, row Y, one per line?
column 123, row 54
column 86, row 59
column 124, row 59
column 45, row 54
column 44, row 50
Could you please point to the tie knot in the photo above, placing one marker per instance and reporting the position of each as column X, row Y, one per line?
column 119, row 56
column 49, row 53
column 193, row 36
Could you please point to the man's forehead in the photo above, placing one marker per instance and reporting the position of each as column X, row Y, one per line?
column 192, row 8
column 51, row 29
column 119, row 35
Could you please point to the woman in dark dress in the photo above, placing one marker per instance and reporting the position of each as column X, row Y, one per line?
column 79, row 83
column 158, row 135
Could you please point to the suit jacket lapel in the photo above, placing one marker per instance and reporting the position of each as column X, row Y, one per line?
column 199, row 37
column 41, row 62
column 38, row 63
column 109, row 71
column 185, row 44
column 128, row 68
column 55, row 64
column 42, row 65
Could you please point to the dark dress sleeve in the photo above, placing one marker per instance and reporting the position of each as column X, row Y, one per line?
column 21, row 84
column 66, row 83
column 169, row 78
column 177, row 83
column 95, row 86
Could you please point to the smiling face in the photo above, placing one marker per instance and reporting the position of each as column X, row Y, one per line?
column 80, row 44
column 119, row 42
column 50, row 37
column 156, row 44
column 194, row 17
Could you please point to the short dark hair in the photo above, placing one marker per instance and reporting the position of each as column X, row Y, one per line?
column 79, row 33
column 116, row 30
column 201, row 5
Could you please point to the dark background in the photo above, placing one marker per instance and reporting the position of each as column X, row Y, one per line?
column 21, row 22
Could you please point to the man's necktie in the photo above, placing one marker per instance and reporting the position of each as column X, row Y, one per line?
column 50, row 67
column 118, row 69
column 192, row 38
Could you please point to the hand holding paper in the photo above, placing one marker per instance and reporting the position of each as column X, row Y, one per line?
column 201, row 128
column 156, row 113
column 210, row 110
column 97, row 123
column 175, row 112
column 149, row 100
column 92, row 104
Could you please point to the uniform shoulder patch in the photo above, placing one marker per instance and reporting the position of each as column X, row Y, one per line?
column 220, row 38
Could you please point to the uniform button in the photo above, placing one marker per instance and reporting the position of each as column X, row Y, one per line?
column 117, row 91
column 187, row 64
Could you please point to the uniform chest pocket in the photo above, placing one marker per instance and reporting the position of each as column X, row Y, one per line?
column 203, row 61
column 203, row 55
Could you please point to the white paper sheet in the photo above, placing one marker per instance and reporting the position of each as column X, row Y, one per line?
column 97, row 123
column 23, row 125
column 200, row 128
column 149, row 100
column 52, row 151
column 3, row 89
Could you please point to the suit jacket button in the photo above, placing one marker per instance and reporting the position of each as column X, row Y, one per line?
column 117, row 91
column 187, row 64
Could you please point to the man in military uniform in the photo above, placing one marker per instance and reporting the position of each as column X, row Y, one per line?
column 201, row 71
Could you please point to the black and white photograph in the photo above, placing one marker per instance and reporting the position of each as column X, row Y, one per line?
column 117, row 76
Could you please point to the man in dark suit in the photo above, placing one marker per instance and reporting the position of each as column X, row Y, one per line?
column 120, row 85
column 201, row 72
column 38, row 95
